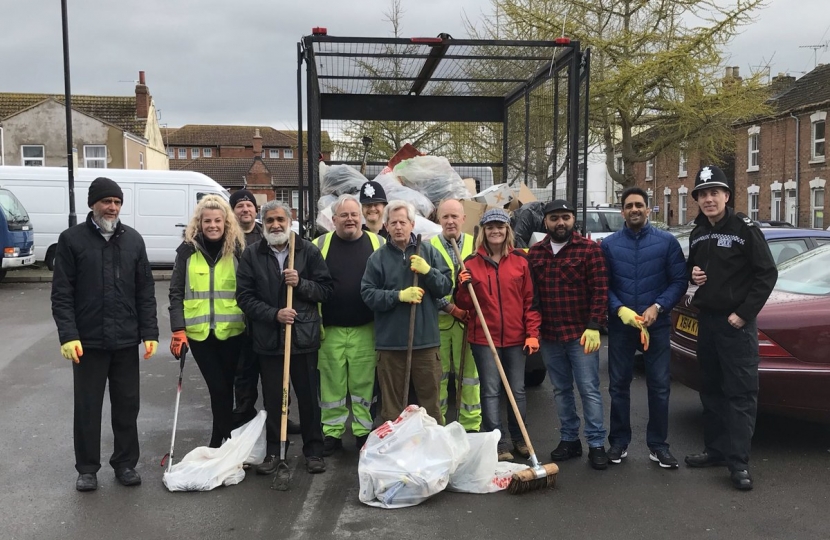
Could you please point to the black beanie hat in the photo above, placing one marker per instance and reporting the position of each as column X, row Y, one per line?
column 101, row 188
column 242, row 195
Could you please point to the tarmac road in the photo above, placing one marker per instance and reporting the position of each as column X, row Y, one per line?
column 636, row 499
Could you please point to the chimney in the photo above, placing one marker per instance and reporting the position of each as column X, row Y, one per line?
column 728, row 74
column 780, row 84
column 736, row 73
column 142, row 97
column 257, row 143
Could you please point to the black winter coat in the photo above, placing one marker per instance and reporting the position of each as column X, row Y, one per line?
column 261, row 293
column 103, row 292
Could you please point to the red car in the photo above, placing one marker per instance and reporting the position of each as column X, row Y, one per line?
column 793, row 337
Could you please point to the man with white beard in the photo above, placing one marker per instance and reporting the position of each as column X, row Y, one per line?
column 104, row 305
column 261, row 285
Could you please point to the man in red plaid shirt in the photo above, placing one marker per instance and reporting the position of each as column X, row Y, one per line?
column 572, row 284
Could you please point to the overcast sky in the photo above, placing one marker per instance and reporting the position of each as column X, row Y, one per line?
column 234, row 62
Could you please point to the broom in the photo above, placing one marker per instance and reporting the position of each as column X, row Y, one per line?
column 411, row 338
column 283, row 477
column 538, row 476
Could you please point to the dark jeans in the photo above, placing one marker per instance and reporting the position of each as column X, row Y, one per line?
column 728, row 360
column 217, row 361
column 623, row 341
column 245, row 383
column 90, row 378
column 513, row 362
column 304, row 378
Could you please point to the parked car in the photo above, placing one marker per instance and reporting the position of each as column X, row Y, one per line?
column 784, row 242
column 793, row 337
column 602, row 221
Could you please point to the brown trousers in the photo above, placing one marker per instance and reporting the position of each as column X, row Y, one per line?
column 425, row 376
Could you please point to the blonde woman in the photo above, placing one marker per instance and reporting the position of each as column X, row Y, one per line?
column 203, row 310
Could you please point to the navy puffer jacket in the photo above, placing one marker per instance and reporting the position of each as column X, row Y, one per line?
column 644, row 268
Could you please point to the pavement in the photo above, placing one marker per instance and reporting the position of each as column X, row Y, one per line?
column 633, row 500
column 38, row 273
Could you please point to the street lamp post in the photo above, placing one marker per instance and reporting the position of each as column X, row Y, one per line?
column 70, row 166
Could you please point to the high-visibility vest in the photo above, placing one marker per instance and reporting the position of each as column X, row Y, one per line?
column 324, row 242
column 466, row 251
column 210, row 299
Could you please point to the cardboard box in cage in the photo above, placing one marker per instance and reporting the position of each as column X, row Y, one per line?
column 498, row 195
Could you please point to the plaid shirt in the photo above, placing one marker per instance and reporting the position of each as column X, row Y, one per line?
column 572, row 287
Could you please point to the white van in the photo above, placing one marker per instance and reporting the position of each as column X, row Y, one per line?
column 158, row 204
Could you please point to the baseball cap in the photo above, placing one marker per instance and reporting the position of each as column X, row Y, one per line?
column 558, row 204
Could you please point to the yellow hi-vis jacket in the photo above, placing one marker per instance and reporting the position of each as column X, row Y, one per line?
column 445, row 320
column 210, row 299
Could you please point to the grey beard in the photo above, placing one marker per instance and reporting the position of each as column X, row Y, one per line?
column 276, row 239
column 106, row 225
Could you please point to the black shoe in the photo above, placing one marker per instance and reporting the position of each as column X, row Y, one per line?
column 598, row 457
column 360, row 441
column 616, row 454
column 331, row 445
column 268, row 465
column 566, row 450
column 315, row 465
column 703, row 459
column 86, row 482
column 741, row 480
column 128, row 477
column 293, row 428
column 664, row 458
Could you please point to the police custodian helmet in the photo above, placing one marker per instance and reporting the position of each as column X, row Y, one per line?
column 708, row 177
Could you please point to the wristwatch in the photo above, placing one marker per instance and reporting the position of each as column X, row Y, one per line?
column 659, row 308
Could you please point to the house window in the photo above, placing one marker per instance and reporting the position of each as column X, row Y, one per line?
column 650, row 169
column 291, row 197
column 207, row 152
column 288, row 153
column 818, row 208
column 194, row 153
column 817, row 134
column 141, row 160
column 667, row 207
column 775, row 205
column 682, row 209
column 274, row 153
column 753, row 206
column 790, row 201
column 171, row 153
column 753, row 152
column 95, row 156
column 650, row 198
column 33, row 155
column 683, row 163
column 182, row 153
column 619, row 164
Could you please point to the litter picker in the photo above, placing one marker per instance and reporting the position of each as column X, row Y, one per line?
column 169, row 456
column 283, row 477
column 538, row 476
column 409, row 344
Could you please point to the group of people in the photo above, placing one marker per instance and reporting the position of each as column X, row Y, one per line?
column 370, row 299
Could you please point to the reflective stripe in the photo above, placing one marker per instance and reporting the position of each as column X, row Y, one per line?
column 324, row 242
column 471, row 407
column 210, row 298
column 339, row 421
column 466, row 250
column 206, row 295
column 332, row 404
column 357, row 400
column 470, row 382
column 193, row 321
column 445, row 376
column 202, row 319
column 365, row 423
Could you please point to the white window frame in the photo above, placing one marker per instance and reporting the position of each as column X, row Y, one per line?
column 288, row 153
column 182, row 153
column 666, row 205
column 194, row 153
column 682, row 164
column 791, row 202
column 817, row 185
column 753, row 149
column 815, row 119
column 619, row 164
column 207, row 152
column 650, row 170
column 274, row 153
column 650, row 198
column 753, row 204
column 90, row 162
column 171, row 153
column 34, row 161
column 141, row 160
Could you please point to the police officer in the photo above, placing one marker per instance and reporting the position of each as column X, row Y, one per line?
column 347, row 351
column 730, row 262
column 373, row 201
column 452, row 320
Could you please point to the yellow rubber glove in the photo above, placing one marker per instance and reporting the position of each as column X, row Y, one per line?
column 629, row 316
column 645, row 339
column 418, row 264
column 150, row 349
column 72, row 350
column 590, row 340
column 411, row 295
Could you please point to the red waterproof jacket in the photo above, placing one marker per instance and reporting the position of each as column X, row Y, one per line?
column 505, row 294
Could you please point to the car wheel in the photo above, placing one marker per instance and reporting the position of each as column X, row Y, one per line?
column 50, row 258
column 535, row 377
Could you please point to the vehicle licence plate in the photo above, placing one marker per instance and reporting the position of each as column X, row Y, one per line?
column 687, row 325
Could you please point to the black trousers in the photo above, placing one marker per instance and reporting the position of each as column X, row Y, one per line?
column 245, row 383
column 728, row 358
column 305, row 379
column 90, row 378
column 217, row 361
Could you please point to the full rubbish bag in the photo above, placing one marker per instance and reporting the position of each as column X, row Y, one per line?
column 405, row 462
column 433, row 176
column 203, row 468
column 481, row 471
column 340, row 179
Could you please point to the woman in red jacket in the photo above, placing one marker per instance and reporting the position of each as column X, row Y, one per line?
column 502, row 282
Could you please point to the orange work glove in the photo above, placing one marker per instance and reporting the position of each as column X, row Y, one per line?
column 179, row 339
column 458, row 313
column 465, row 277
column 645, row 339
column 531, row 345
